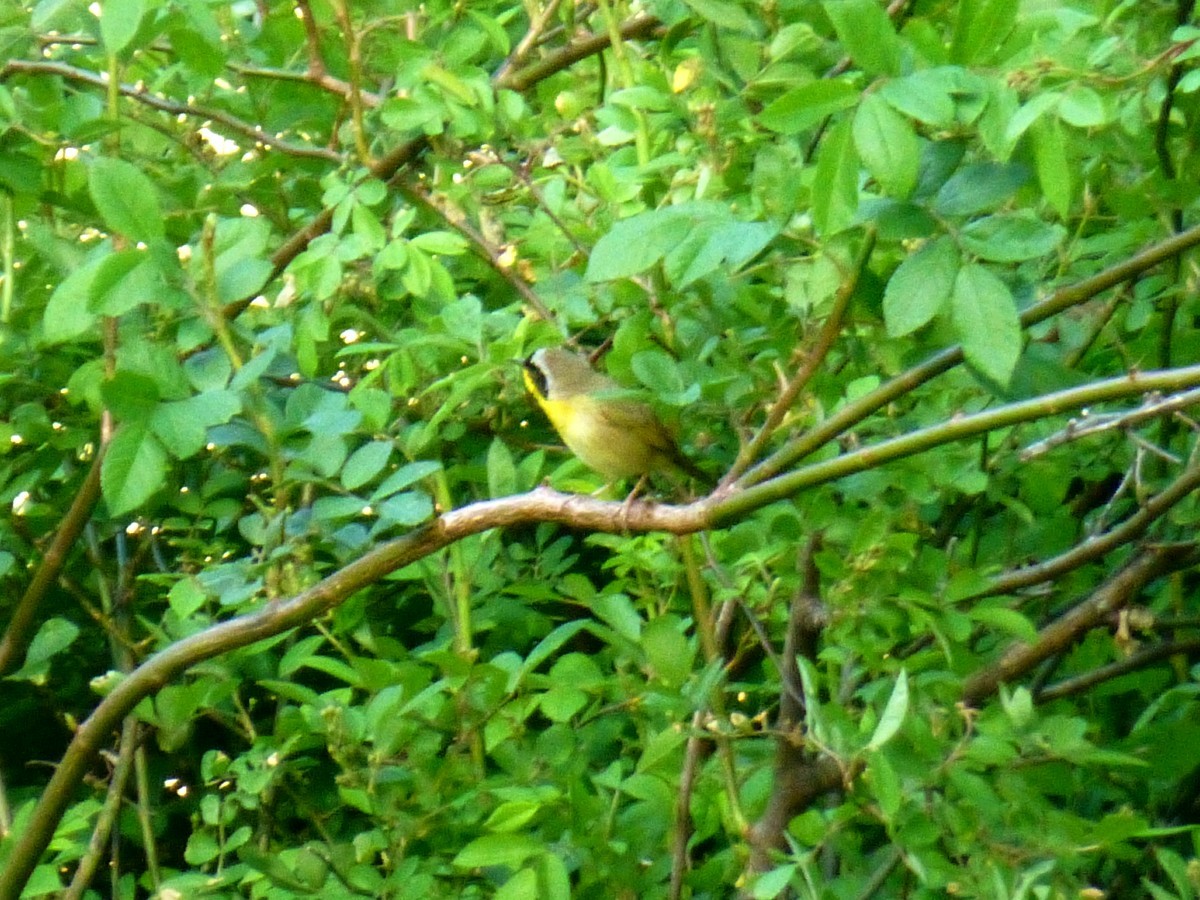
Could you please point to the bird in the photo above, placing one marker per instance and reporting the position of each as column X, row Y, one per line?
column 617, row 437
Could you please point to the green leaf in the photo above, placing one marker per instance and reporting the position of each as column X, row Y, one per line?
column 126, row 199
column 635, row 244
column 366, row 463
column 925, row 96
column 53, row 637
column 442, row 243
column 119, row 21
column 920, row 287
column 124, row 281
column 1011, row 238
column 132, row 397
column 773, row 883
column 723, row 246
column 497, row 850
column 981, row 29
column 405, row 476
column 888, row 146
column 726, row 15
column 884, row 783
column 835, row 189
column 134, row 467
column 979, row 188
column 803, row 107
column 867, row 33
column 893, row 714
column 667, row 650
column 67, row 315
column 501, row 470
column 985, row 320
column 183, row 425
column 1006, row 621
column 407, row 510
column 1082, row 107
column 1053, row 165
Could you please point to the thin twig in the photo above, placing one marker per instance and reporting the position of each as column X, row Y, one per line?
column 143, row 96
column 904, row 383
column 1087, row 425
column 1138, row 660
column 492, row 255
column 812, row 361
column 12, row 644
column 1095, row 547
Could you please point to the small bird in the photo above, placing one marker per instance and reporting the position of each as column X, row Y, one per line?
column 617, row 437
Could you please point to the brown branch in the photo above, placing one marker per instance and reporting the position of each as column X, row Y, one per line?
column 143, row 96
column 800, row 775
column 533, row 34
column 1068, row 628
column 388, row 167
column 565, row 57
column 108, row 813
column 1097, row 546
column 540, row 505
column 1142, row 658
column 329, row 83
column 12, row 645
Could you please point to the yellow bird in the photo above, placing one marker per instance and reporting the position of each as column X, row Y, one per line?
column 615, row 436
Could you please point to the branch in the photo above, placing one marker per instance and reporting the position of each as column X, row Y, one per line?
column 490, row 254
column 523, row 79
column 813, row 360
column 388, row 167
column 1099, row 545
column 13, row 642
column 540, row 505
column 1144, row 657
column 783, row 486
column 1073, row 624
column 141, row 95
column 1060, row 300
column 1087, row 425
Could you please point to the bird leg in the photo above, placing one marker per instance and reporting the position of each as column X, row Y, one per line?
column 628, row 504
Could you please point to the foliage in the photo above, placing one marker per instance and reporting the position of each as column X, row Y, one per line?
column 268, row 269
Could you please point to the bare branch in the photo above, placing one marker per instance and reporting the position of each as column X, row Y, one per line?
column 1087, row 425
column 812, row 362
column 1095, row 547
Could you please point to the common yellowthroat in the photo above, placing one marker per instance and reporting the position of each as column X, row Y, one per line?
column 619, row 438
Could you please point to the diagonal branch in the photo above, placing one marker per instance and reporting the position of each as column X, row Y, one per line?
column 812, row 361
column 1068, row 628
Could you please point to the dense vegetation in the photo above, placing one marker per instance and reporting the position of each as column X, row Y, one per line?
column 287, row 608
